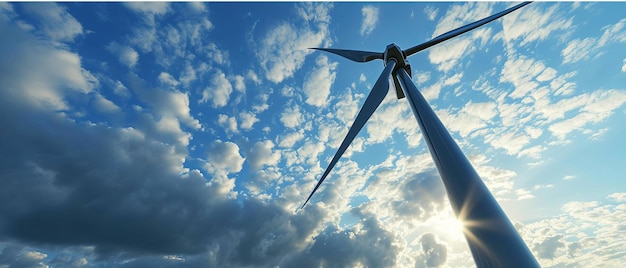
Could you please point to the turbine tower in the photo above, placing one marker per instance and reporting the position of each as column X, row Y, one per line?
column 492, row 238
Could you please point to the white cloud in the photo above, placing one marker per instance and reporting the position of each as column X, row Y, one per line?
column 104, row 105
column 472, row 117
column 47, row 74
column 125, row 54
column 165, row 102
column 178, row 103
column 247, row 120
column 318, row 82
column 283, row 49
column 431, row 12
column 578, row 49
column 512, row 142
column 584, row 234
column 452, row 80
column 291, row 117
column 347, row 107
column 262, row 105
column 532, row 24
column 613, row 33
column 55, row 21
column 596, row 107
column 308, row 152
column 217, row 55
column 223, row 158
column 521, row 72
column 290, row 139
column 155, row 8
column 187, row 75
column 6, row 11
column 624, row 65
column 251, row 75
column 240, row 85
column 168, row 79
column 370, row 18
column 619, row 197
column 198, row 6
column 219, row 92
column 432, row 92
column 228, row 123
column 261, row 154
column 448, row 54
column 547, row 75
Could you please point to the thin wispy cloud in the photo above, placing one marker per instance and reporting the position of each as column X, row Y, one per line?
column 370, row 18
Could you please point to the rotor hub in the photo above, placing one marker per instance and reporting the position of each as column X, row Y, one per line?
column 394, row 52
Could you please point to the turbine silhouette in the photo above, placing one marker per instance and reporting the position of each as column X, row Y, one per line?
column 492, row 238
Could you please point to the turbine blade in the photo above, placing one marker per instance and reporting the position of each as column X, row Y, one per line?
column 460, row 30
column 372, row 102
column 355, row 55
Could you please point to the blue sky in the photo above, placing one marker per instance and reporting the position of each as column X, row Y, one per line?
column 187, row 134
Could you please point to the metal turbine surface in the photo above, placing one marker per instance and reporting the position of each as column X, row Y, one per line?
column 491, row 237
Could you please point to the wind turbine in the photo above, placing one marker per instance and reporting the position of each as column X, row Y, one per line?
column 492, row 239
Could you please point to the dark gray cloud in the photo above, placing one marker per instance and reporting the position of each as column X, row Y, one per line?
column 547, row 249
column 367, row 243
column 16, row 256
column 422, row 195
column 121, row 190
column 120, row 196
column 433, row 254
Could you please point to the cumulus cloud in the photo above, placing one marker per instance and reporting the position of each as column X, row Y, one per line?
column 367, row 244
column 125, row 54
column 262, row 154
column 547, row 249
column 247, row 120
column 347, row 107
column 433, row 252
column 122, row 193
column 228, row 123
column 55, row 21
column 223, row 158
column 168, row 103
column 283, row 49
column 48, row 74
column 370, row 18
column 240, row 85
column 290, row 139
column 582, row 234
column 174, row 43
column 291, row 117
column 219, row 92
column 318, row 82
column 168, row 79
column 420, row 196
